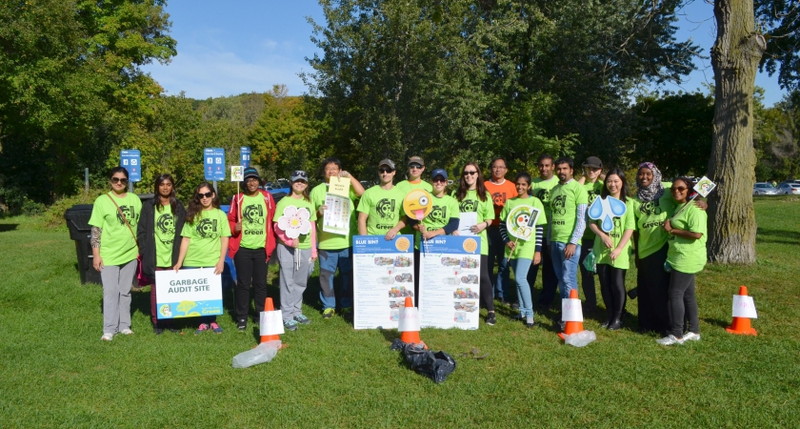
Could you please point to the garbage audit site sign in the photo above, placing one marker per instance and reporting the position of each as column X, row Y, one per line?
column 214, row 163
column 188, row 293
column 131, row 159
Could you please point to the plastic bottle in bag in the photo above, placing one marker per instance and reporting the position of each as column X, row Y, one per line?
column 580, row 339
column 264, row 352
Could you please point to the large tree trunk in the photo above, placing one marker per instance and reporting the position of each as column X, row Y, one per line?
column 735, row 57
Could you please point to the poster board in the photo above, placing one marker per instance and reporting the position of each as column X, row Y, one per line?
column 188, row 293
column 383, row 276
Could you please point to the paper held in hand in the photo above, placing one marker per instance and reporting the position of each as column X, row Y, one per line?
column 339, row 186
column 704, row 186
column 521, row 222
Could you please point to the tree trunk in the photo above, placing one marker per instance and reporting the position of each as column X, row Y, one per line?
column 734, row 57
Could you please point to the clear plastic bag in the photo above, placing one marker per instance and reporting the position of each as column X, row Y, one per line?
column 263, row 352
column 580, row 339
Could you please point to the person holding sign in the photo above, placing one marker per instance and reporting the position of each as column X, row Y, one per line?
column 592, row 182
column 251, row 245
column 523, row 216
column 205, row 241
column 476, row 214
column 334, row 249
column 612, row 249
column 686, row 257
column 381, row 206
column 159, row 236
column 115, row 216
column 294, row 226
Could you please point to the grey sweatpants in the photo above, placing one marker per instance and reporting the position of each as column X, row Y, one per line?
column 293, row 280
column 117, row 281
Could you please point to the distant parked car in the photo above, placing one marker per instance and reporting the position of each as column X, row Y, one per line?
column 764, row 188
column 789, row 188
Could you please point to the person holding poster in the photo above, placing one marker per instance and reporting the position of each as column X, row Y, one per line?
column 115, row 216
column 251, row 245
column 294, row 226
column 334, row 249
column 501, row 191
column 205, row 241
column 591, row 181
column 381, row 206
column 686, row 257
column 159, row 236
column 476, row 214
column 612, row 250
column 523, row 253
column 540, row 188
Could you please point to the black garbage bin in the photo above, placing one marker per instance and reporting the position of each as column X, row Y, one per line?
column 80, row 231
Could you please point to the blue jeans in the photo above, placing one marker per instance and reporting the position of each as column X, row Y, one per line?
column 329, row 261
column 521, row 267
column 566, row 269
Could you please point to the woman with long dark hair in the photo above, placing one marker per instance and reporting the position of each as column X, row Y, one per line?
column 159, row 236
column 473, row 197
column 114, row 219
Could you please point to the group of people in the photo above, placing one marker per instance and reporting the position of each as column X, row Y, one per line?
column 661, row 229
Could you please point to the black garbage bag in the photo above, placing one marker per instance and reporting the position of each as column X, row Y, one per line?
column 436, row 365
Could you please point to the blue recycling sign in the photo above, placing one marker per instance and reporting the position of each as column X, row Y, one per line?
column 244, row 156
column 131, row 159
column 214, row 163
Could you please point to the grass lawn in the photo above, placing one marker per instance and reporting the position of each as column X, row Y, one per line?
column 55, row 371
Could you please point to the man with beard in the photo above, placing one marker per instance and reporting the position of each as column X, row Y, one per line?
column 381, row 206
column 540, row 188
column 251, row 244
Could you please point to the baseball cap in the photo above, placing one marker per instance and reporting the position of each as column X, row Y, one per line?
column 593, row 162
column 439, row 172
column 299, row 175
column 416, row 160
column 387, row 162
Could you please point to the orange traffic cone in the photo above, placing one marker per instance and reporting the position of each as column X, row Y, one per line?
column 409, row 324
column 268, row 306
column 741, row 325
column 573, row 327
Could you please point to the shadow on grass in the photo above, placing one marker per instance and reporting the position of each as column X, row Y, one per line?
column 716, row 322
column 5, row 227
column 765, row 235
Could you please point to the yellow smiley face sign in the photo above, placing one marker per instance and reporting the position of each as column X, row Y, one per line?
column 417, row 204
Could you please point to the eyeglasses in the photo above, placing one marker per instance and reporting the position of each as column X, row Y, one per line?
column 201, row 195
column 499, row 167
column 679, row 188
column 415, row 165
column 385, row 170
column 122, row 180
column 470, row 173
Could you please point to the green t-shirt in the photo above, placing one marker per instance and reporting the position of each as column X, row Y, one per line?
column 117, row 243
column 254, row 218
column 525, row 248
column 165, row 234
column 564, row 201
column 594, row 190
column 284, row 209
column 442, row 209
column 687, row 255
column 205, row 235
column 650, row 217
column 621, row 224
column 405, row 186
column 383, row 208
column 485, row 210
column 329, row 240
column 541, row 189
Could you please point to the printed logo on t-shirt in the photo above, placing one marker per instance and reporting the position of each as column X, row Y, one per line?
column 129, row 212
column 166, row 228
column 499, row 198
column 592, row 196
column 385, row 208
column 468, row 206
column 207, row 228
column 254, row 214
column 543, row 195
column 559, row 205
column 438, row 215
column 650, row 208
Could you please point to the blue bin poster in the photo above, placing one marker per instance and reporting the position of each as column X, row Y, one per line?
column 383, row 276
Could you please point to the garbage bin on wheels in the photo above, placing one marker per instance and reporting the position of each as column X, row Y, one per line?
column 80, row 231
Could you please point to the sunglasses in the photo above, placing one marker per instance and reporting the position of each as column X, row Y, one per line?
column 470, row 173
column 417, row 166
column 385, row 170
column 439, row 180
column 201, row 195
column 122, row 180
column 679, row 188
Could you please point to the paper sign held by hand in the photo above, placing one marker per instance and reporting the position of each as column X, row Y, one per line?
column 339, row 186
column 571, row 310
column 704, row 186
column 237, row 173
column 744, row 306
column 521, row 222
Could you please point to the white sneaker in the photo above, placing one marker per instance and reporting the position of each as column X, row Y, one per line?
column 126, row 332
column 669, row 340
column 690, row 336
column 107, row 337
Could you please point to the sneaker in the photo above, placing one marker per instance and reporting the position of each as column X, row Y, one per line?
column 529, row 321
column 201, row 328
column 490, row 318
column 158, row 331
column 126, row 332
column 328, row 313
column 302, row 319
column 216, row 328
column 107, row 337
column 669, row 340
column 241, row 324
column 290, row 325
column 690, row 336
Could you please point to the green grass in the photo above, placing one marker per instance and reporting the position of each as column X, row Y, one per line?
column 55, row 371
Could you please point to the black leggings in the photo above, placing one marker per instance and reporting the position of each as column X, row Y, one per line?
column 612, row 288
column 487, row 295
column 652, row 284
column 682, row 303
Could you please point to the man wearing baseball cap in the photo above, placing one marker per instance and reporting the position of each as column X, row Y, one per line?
column 416, row 166
column 591, row 181
column 381, row 206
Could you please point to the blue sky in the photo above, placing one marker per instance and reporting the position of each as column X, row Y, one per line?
column 233, row 47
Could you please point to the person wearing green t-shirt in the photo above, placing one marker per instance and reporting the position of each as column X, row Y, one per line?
column 612, row 250
column 205, row 241
column 686, row 257
column 591, row 181
column 381, row 206
column 416, row 166
column 540, row 188
column 297, row 248
column 523, row 253
column 568, row 202
column 472, row 197
column 115, row 216
column 159, row 237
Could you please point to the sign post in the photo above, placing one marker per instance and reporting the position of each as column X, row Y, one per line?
column 214, row 164
column 131, row 159
column 244, row 156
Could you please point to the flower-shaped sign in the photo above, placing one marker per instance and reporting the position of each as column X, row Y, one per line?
column 295, row 221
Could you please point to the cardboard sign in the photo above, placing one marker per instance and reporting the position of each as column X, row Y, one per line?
column 339, row 186
column 237, row 173
column 521, row 222
column 337, row 214
column 704, row 186
column 744, row 306
column 188, row 293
